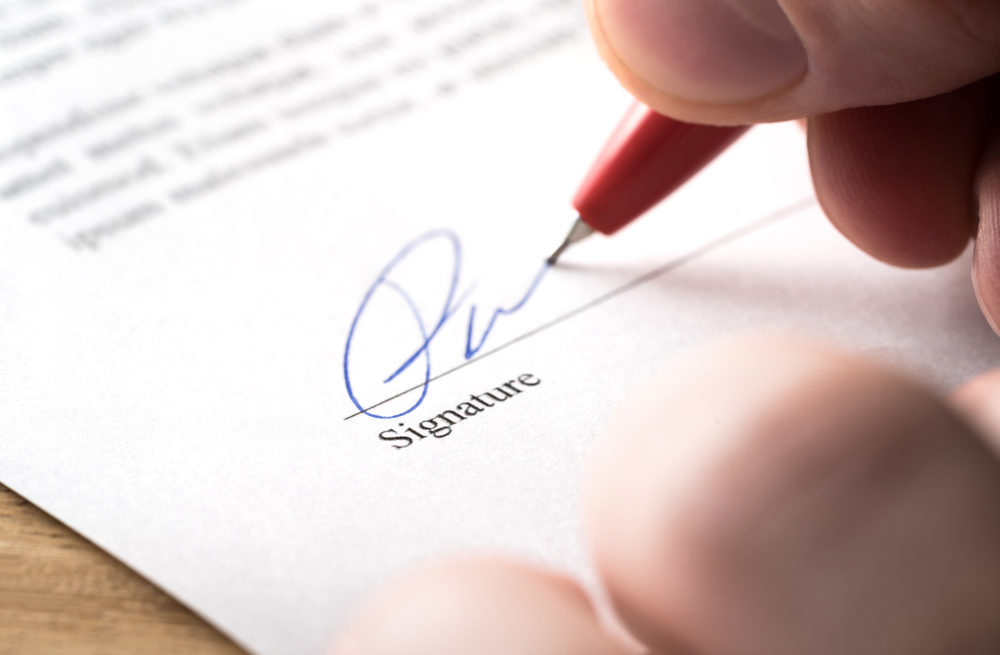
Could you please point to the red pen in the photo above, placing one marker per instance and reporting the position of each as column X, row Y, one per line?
column 648, row 157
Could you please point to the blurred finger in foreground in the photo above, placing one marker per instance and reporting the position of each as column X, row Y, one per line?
column 777, row 498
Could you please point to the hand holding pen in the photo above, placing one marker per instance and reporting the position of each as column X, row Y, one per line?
column 776, row 497
column 901, row 99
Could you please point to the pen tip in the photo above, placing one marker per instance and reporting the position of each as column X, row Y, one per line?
column 578, row 232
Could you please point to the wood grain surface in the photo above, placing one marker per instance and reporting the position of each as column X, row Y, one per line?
column 61, row 595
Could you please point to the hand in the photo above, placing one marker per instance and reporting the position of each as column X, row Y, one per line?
column 901, row 97
column 762, row 498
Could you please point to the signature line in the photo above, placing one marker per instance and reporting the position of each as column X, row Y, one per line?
column 773, row 217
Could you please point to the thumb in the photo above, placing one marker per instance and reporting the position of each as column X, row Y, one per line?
column 741, row 61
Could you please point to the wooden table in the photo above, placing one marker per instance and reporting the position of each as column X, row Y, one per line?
column 60, row 594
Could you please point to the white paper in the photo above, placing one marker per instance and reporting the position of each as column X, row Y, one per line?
column 196, row 196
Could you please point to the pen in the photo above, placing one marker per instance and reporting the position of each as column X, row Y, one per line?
column 647, row 158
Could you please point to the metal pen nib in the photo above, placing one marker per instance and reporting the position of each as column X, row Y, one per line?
column 578, row 232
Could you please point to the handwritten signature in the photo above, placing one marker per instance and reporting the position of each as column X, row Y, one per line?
column 453, row 301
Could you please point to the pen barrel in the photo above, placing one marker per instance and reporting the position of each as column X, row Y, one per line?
column 647, row 157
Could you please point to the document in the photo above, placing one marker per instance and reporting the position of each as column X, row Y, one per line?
column 275, row 322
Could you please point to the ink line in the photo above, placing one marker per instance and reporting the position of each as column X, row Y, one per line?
column 450, row 308
column 770, row 219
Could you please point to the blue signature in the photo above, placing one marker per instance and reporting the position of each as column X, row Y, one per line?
column 453, row 302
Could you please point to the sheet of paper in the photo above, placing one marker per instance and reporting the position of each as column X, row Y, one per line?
column 237, row 235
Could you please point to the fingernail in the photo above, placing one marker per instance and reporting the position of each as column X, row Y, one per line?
column 718, row 51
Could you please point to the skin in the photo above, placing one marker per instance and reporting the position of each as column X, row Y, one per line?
column 771, row 496
column 900, row 97
column 833, row 507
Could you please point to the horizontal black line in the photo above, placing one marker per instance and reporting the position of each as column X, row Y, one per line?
column 672, row 265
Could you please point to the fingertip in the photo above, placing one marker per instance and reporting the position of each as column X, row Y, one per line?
column 657, row 462
column 897, row 180
column 485, row 605
column 709, row 52
column 986, row 262
column 766, row 496
column 979, row 400
column 985, row 283
column 743, row 61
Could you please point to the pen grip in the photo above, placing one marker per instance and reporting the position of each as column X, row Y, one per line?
column 647, row 157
